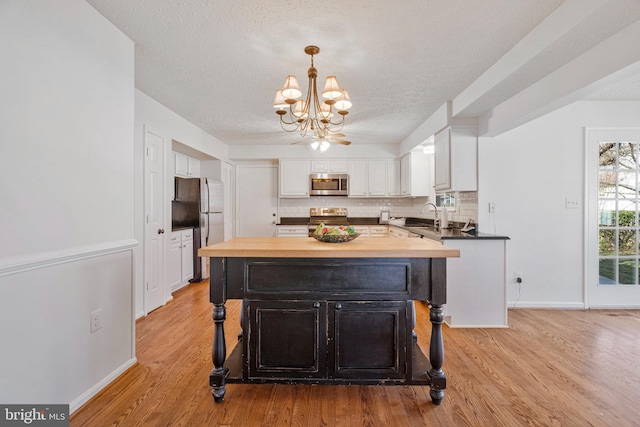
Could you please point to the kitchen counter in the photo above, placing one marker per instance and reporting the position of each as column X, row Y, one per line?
column 362, row 247
column 309, row 307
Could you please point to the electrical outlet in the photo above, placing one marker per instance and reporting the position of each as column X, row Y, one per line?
column 492, row 207
column 96, row 320
column 517, row 277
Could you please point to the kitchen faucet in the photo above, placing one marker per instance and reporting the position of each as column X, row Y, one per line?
column 438, row 222
column 425, row 206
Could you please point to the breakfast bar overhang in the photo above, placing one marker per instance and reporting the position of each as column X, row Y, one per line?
column 322, row 313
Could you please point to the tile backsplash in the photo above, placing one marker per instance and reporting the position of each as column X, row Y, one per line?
column 466, row 206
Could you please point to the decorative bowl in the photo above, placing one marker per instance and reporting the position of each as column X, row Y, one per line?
column 335, row 238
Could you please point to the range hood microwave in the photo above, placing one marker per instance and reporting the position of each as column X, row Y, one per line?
column 328, row 184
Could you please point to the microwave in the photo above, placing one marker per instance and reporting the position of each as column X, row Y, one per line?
column 328, row 184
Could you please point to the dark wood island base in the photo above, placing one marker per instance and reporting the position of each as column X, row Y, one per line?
column 328, row 320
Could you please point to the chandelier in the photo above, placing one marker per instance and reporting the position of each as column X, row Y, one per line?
column 322, row 117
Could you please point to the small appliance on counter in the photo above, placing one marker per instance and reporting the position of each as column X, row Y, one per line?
column 469, row 228
column 384, row 217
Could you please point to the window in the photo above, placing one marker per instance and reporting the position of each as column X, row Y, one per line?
column 446, row 200
column 618, row 213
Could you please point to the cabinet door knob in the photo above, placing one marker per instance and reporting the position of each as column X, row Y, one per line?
column 160, row 230
column 338, row 306
column 316, row 305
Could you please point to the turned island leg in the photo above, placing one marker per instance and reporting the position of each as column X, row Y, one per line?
column 218, row 296
column 218, row 376
column 436, row 355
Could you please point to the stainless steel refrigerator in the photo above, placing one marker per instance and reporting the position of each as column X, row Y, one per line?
column 199, row 203
column 211, row 216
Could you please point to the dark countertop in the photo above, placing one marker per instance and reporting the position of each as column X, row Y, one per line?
column 423, row 227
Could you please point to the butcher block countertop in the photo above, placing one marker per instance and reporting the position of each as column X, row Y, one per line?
column 362, row 247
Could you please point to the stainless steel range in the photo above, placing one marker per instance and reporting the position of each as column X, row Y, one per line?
column 329, row 216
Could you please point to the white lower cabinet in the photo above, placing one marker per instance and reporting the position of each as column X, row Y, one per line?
column 364, row 230
column 477, row 284
column 378, row 231
column 180, row 258
column 397, row 232
column 292, row 231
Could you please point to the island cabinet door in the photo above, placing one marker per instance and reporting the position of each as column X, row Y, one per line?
column 368, row 340
column 287, row 339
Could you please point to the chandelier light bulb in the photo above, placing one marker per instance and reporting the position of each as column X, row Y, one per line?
column 315, row 145
column 300, row 110
column 343, row 102
column 325, row 111
column 331, row 88
column 291, row 89
column 324, row 146
column 279, row 102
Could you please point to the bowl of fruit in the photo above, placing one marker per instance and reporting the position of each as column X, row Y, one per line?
column 343, row 233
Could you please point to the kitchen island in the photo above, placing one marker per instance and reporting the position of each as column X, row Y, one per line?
column 322, row 313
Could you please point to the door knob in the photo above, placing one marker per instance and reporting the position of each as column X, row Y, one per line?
column 160, row 230
column 338, row 306
column 316, row 305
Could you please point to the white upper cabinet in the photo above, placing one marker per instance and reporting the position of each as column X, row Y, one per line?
column 329, row 166
column 185, row 166
column 294, row 178
column 374, row 178
column 377, row 172
column 456, row 159
column 415, row 172
column 393, row 177
column 358, row 178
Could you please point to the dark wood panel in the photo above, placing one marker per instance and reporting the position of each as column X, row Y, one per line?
column 369, row 339
column 327, row 275
column 286, row 339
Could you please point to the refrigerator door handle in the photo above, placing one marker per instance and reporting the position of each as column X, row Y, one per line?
column 205, row 226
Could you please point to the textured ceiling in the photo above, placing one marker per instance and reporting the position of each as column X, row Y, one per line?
column 218, row 63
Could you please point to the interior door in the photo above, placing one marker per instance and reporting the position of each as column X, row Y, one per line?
column 154, row 295
column 613, row 225
column 257, row 199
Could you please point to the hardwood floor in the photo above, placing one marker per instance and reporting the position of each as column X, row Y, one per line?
column 550, row 368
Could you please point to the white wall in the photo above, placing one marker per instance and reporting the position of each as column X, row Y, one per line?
column 67, row 205
column 528, row 173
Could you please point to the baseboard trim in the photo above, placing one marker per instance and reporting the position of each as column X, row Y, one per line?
column 545, row 304
column 15, row 265
column 87, row 395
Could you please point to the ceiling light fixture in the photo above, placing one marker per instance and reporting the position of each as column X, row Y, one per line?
column 320, row 116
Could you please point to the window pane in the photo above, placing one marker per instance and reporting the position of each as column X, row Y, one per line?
column 607, row 242
column 626, row 242
column 607, row 184
column 607, row 272
column 627, row 213
column 627, row 154
column 627, row 272
column 627, row 185
column 607, row 213
column 607, row 155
